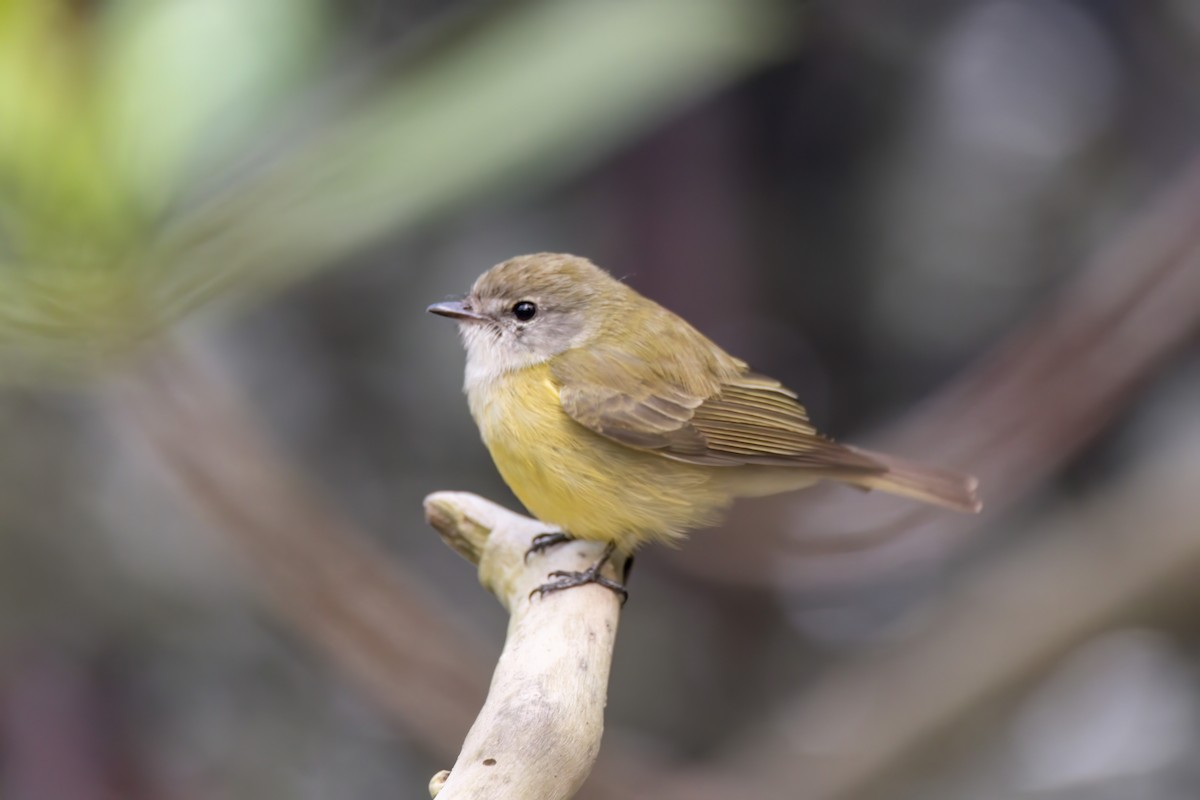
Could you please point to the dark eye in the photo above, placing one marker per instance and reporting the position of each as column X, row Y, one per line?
column 524, row 310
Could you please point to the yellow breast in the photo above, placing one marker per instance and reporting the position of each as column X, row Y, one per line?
column 590, row 486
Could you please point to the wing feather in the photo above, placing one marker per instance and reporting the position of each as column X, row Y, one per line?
column 711, row 411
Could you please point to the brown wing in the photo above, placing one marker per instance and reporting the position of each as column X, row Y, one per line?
column 729, row 417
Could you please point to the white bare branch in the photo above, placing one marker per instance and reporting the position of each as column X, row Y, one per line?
column 539, row 731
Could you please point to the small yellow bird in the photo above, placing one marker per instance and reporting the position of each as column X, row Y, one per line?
column 614, row 419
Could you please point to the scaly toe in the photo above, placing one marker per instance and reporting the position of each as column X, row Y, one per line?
column 544, row 541
column 569, row 580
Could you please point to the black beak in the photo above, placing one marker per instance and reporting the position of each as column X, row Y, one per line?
column 455, row 309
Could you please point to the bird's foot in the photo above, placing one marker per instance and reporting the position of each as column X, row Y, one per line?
column 544, row 541
column 569, row 580
column 565, row 579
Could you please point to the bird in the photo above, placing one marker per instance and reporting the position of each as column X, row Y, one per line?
column 615, row 420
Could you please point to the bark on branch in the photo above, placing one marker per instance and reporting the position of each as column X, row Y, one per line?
column 538, row 733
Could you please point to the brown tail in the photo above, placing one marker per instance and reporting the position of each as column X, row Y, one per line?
column 940, row 487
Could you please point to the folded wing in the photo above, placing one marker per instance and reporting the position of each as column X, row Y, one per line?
column 726, row 416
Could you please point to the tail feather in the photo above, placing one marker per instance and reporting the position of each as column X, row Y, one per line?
column 929, row 484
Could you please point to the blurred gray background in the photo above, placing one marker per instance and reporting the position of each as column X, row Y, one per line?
column 965, row 231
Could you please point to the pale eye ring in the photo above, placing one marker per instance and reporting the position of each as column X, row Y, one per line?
column 524, row 310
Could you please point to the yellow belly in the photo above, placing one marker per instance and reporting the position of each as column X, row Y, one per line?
column 591, row 487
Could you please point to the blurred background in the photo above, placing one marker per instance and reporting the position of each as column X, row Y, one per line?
column 965, row 231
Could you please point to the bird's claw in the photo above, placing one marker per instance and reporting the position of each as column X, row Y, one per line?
column 568, row 580
column 565, row 579
column 544, row 541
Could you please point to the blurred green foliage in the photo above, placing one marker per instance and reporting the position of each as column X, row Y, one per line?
column 106, row 118
column 154, row 156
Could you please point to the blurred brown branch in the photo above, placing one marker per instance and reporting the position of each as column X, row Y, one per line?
column 376, row 621
column 1013, row 419
column 1128, row 555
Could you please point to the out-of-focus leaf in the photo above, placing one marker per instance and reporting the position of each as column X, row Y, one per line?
column 103, row 113
column 540, row 91
column 56, row 185
column 65, row 215
column 184, row 83
column 112, row 123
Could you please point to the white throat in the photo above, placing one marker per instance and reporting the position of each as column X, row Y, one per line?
column 490, row 357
